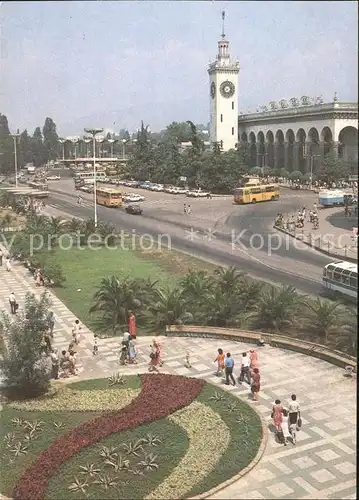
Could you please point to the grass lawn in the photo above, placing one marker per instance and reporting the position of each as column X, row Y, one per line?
column 173, row 457
column 84, row 269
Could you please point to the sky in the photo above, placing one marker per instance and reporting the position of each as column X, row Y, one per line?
column 113, row 64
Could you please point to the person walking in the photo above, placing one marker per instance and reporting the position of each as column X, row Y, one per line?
column 13, row 303
column 132, row 351
column 229, row 365
column 8, row 264
column 256, row 384
column 51, row 323
column 277, row 415
column 154, row 357
column 220, row 362
column 189, row 210
column 245, row 374
column 76, row 331
column 132, row 325
column 253, row 359
column 293, row 411
column 285, row 428
column 1, row 257
column 95, row 345
column 184, row 209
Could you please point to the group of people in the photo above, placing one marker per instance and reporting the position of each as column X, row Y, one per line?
column 249, row 370
column 187, row 210
column 287, row 421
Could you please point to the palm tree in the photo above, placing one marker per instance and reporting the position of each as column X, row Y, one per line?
column 168, row 308
column 228, row 279
column 249, row 293
column 277, row 308
column 222, row 309
column 196, row 287
column 346, row 338
column 7, row 221
column 115, row 298
column 74, row 225
column 324, row 316
column 56, row 225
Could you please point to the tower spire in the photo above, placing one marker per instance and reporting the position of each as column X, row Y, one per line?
column 223, row 17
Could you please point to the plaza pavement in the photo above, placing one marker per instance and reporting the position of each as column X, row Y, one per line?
column 323, row 463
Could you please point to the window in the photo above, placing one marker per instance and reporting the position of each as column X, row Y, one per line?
column 354, row 282
column 232, row 104
column 232, row 130
column 221, row 144
column 337, row 275
column 269, row 189
column 221, row 118
column 255, row 190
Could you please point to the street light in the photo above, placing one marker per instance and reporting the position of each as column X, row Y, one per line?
column 62, row 141
column 123, row 148
column 311, row 163
column 74, row 141
column 15, row 136
column 111, row 141
column 93, row 132
column 100, row 140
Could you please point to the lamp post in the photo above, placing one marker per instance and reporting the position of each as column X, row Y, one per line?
column 111, row 141
column 62, row 141
column 99, row 140
column 93, row 132
column 123, row 148
column 74, row 141
column 311, row 164
column 15, row 136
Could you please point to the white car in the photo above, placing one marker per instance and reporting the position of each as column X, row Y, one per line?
column 53, row 178
column 197, row 194
column 133, row 198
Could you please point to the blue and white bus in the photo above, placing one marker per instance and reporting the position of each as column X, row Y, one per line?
column 341, row 277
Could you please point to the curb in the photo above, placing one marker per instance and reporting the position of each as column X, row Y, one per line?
column 249, row 467
column 318, row 249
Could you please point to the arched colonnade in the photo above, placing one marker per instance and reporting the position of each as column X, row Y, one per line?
column 289, row 150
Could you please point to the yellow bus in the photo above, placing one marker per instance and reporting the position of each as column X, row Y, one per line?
column 109, row 197
column 256, row 193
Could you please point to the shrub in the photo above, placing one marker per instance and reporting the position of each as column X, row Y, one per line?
column 54, row 274
column 25, row 370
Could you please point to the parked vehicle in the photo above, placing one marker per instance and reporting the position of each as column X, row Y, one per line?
column 53, row 178
column 197, row 194
column 133, row 198
column 134, row 210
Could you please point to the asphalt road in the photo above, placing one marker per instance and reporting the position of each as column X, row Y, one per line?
column 243, row 235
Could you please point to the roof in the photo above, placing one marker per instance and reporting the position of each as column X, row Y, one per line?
column 344, row 265
column 109, row 190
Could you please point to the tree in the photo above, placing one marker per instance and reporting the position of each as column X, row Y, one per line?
column 25, row 370
column 196, row 288
column 51, row 140
column 6, row 147
column 24, row 155
column 324, row 317
column 277, row 308
column 142, row 162
column 332, row 169
column 38, row 151
column 168, row 308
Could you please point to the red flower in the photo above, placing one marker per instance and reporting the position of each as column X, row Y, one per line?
column 160, row 396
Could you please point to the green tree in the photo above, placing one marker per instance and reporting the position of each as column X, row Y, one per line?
column 142, row 163
column 6, row 147
column 332, row 169
column 50, row 142
column 324, row 317
column 24, row 149
column 38, row 151
column 168, row 308
column 25, row 370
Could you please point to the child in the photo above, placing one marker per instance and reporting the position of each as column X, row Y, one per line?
column 95, row 345
column 76, row 332
column 220, row 362
column 285, row 427
column 124, row 353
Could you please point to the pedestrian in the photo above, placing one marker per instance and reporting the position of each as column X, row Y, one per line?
column 54, row 364
column 293, row 411
column 47, row 341
column 184, row 209
column 1, row 257
column 245, row 369
column 132, row 325
column 79, row 199
column 256, row 384
column 124, row 353
column 126, row 338
column 8, row 264
column 154, row 357
column 132, row 351
column 253, row 359
column 285, row 428
column 76, row 331
column 64, row 363
column 315, row 207
column 229, row 365
column 188, row 360
column 51, row 323
column 277, row 415
column 220, row 362
column 189, row 210
column 13, row 303
column 72, row 360
column 95, row 345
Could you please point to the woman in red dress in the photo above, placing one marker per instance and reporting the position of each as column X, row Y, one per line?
column 132, row 325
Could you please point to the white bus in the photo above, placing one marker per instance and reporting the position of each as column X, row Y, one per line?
column 341, row 277
column 87, row 178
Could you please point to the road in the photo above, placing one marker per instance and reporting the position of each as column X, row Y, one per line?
column 218, row 231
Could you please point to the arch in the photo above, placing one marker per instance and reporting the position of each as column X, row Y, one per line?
column 289, row 151
column 326, row 138
column 279, row 149
column 301, row 138
column 270, row 137
column 313, row 142
column 348, row 143
column 270, row 150
column 252, row 149
column 261, row 145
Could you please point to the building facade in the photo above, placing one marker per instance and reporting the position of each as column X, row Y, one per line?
column 223, row 89
column 295, row 135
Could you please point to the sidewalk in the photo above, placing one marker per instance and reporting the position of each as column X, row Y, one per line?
column 332, row 240
column 321, row 465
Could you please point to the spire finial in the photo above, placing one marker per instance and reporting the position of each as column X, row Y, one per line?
column 223, row 17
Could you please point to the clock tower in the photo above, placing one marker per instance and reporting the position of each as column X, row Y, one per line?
column 223, row 77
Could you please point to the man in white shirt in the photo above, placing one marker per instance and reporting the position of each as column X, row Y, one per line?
column 245, row 362
column 12, row 302
column 76, row 332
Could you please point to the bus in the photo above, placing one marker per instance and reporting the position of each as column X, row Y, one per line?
column 87, row 178
column 253, row 193
column 341, row 277
column 41, row 186
column 109, row 197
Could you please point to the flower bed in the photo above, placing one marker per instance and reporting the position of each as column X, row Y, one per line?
column 161, row 395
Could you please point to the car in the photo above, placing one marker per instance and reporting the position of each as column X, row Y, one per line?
column 133, row 198
column 134, row 210
column 53, row 178
column 197, row 194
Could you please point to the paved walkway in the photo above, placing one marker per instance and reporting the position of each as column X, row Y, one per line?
column 337, row 241
column 323, row 463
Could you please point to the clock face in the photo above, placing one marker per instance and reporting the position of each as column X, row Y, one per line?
column 227, row 89
column 213, row 90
